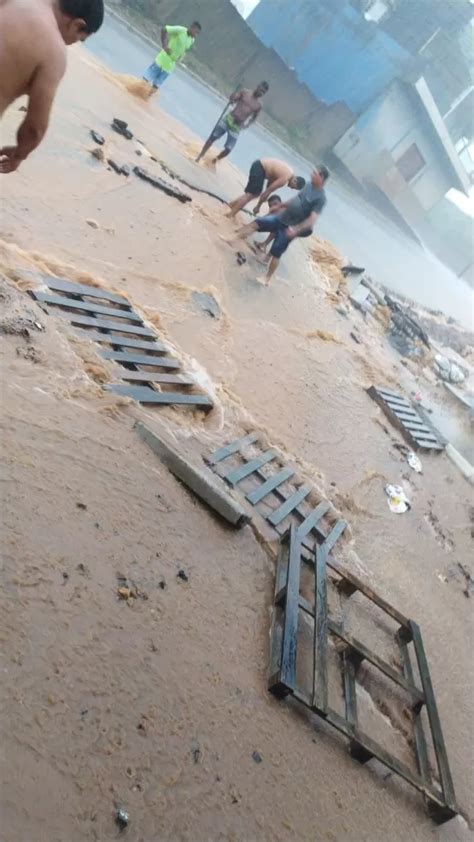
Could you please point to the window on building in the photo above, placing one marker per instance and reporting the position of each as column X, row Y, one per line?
column 411, row 162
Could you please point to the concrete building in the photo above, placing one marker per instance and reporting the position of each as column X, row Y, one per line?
column 401, row 147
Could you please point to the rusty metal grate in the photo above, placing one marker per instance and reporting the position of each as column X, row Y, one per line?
column 283, row 680
column 275, row 491
column 143, row 362
column 417, row 431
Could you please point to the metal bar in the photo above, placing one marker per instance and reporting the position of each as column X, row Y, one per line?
column 369, row 593
column 59, row 301
column 290, row 628
column 122, row 341
column 269, row 485
column 105, row 324
column 84, row 289
column 320, row 650
column 281, row 513
column 421, row 750
column 231, row 448
column 356, row 750
column 435, row 723
column 385, row 757
column 238, row 474
column 275, row 684
column 310, row 522
column 334, row 534
column 374, row 659
column 154, row 377
column 139, row 359
column 144, row 395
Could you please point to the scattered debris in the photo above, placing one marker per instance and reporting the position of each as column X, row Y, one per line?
column 414, row 426
column 469, row 586
column 97, row 138
column 355, row 337
column 208, row 303
column 30, row 353
column 404, row 322
column 114, row 166
column 162, row 185
column 195, row 751
column 241, row 258
column 121, row 127
column 414, row 462
column 82, row 569
column 257, row 757
column 181, row 574
column 92, row 223
column 98, row 152
column 19, row 326
column 23, row 108
column 449, row 371
column 122, row 818
column 343, row 310
column 352, row 270
column 162, row 583
column 81, row 506
column 65, row 577
column 397, row 500
column 125, row 593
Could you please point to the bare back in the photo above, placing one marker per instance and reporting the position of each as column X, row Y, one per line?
column 276, row 170
column 247, row 106
column 30, row 44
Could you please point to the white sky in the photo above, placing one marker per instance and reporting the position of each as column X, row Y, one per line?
column 245, row 6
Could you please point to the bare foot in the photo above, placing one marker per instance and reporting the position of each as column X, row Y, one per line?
column 263, row 280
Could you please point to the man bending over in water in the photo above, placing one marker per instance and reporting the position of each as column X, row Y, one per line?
column 247, row 108
column 269, row 170
column 33, row 39
column 295, row 218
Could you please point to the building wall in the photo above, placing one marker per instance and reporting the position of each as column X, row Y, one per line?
column 237, row 57
column 371, row 148
column 336, row 52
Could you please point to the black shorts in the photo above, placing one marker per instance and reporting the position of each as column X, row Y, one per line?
column 256, row 179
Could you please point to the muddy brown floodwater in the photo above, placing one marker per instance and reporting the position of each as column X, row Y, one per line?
column 158, row 703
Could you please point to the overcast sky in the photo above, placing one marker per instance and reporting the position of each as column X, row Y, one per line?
column 245, row 6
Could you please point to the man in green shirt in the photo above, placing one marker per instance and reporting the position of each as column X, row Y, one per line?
column 176, row 41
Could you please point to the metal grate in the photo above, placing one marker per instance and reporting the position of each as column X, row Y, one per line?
column 273, row 489
column 417, row 431
column 283, row 681
column 143, row 362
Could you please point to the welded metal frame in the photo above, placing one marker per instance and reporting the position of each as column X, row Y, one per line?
column 441, row 802
column 135, row 353
column 287, row 504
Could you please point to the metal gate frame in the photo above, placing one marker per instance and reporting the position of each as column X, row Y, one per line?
column 441, row 804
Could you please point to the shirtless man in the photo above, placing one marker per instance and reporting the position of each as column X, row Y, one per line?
column 292, row 219
column 275, row 173
column 33, row 39
column 247, row 108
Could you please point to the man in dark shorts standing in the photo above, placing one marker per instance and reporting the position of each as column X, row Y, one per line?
column 247, row 108
column 292, row 219
column 275, row 173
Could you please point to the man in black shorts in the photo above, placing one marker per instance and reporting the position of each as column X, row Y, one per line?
column 275, row 173
column 292, row 219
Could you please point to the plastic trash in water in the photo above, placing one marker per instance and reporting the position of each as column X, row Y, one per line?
column 414, row 462
column 397, row 500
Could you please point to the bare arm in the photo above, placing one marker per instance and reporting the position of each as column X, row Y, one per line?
column 236, row 96
column 278, row 182
column 33, row 128
column 307, row 224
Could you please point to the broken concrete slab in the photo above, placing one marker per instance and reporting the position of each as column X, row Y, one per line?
column 199, row 481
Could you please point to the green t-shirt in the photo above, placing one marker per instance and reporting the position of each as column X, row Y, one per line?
column 179, row 42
